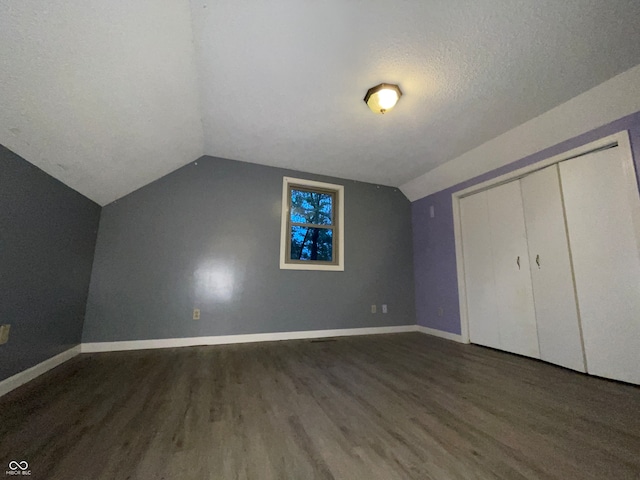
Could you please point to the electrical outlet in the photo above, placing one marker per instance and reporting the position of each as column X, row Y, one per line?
column 440, row 311
column 196, row 314
column 384, row 308
column 4, row 333
column 374, row 309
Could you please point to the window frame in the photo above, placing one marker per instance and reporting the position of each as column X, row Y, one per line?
column 337, row 226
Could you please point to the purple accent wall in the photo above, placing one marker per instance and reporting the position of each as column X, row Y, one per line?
column 434, row 254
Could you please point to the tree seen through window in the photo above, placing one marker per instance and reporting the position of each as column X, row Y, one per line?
column 312, row 225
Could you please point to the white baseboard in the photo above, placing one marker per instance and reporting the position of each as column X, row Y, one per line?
column 439, row 333
column 229, row 339
column 21, row 378
column 29, row 374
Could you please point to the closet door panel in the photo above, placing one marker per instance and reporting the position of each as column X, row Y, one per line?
column 553, row 290
column 603, row 216
column 478, row 271
column 516, row 314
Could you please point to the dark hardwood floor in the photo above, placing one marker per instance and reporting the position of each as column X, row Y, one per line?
column 405, row 406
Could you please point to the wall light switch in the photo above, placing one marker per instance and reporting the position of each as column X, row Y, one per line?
column 4, row 333
column 196, row 314
column 374, row 309
column 384, row 308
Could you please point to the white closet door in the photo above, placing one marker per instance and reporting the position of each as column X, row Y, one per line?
column 482, row 310
column 553, row 290
column 516, row 313
column 603, row 215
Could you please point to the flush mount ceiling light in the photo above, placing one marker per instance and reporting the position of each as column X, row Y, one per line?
column 383, row 97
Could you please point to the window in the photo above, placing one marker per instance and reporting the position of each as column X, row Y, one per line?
column 312, row 225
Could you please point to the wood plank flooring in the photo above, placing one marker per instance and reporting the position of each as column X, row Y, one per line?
column 404, row 406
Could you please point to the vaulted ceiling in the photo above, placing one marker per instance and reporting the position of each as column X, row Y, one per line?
column 109, row 96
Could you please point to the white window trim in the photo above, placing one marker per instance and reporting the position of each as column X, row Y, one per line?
column 284, row 234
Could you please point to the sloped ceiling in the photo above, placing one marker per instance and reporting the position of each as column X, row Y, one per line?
column 102, row 95
column 108, row 96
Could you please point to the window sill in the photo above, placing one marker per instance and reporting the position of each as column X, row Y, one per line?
column 302, row 266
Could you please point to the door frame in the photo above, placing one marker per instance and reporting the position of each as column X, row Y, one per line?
column 621, row 139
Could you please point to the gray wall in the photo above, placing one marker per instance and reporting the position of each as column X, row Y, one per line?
column 47, row 237
column 208, row 236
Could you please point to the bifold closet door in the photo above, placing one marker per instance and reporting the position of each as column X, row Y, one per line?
column 603, row 217
column 482, row 310
column 516, row 313
column 559, row 334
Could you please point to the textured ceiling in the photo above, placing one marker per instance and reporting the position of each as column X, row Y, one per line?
column 100, row 94
column 107, row 96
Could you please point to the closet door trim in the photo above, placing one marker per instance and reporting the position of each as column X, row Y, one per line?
column 618, row 140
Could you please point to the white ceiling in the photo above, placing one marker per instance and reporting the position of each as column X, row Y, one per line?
column 108, row 96
column 101, row 94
